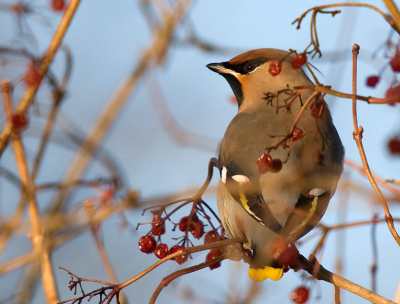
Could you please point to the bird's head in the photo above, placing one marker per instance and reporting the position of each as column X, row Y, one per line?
column 249, row 77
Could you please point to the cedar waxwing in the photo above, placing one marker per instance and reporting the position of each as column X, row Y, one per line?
column 289, row 198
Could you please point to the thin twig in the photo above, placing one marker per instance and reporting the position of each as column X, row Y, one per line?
column 357, row 135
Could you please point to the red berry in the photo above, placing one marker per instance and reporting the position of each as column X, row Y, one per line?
column 32, row 76
column 317, row 109
column 213, row 255
column 395, row 62
column 211, row 237
column 288, row 257
column 300, row 295
column 372, row 81
column 196, row 227
column 264, row 163
column 147, row 244
column 276, row 165
column 394, row 145
column 392, row 95
column 183, row 223
column 20, row 121
column 180, row 259
column 57, row 5
column 297, row 134
column 158, row 226
column 161, row 250
column 299, row 60
column 275, row 67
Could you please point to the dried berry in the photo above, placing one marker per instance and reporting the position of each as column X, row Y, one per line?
column 180, row 259
column 211, row 237
column 264, row 163
column 20, row 121
column 372, row 81
column 297, row 134
column 196, row 227
column 299, row 60
column 317, row 109
column 213, row 255
column 300, row 295
column 276, row 165
column 57, row 5
column 395, row 62
column 158, row 226
column 161, row 250
column 394, row 145
column 147, row 244
column 275, row 67
column 32, row 76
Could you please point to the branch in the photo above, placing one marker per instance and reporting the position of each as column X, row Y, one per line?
column 320, row 273
column 357, row 135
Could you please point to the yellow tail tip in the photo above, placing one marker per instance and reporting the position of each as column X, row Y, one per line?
column 260, row 274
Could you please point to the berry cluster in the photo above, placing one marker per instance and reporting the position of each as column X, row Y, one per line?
column 189, row 225
column 297, row 62
column 392, row 94
column 148, row 243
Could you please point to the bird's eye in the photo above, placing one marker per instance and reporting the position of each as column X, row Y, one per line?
column 249, row 67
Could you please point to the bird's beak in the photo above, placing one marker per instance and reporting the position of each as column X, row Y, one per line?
column 218, row 68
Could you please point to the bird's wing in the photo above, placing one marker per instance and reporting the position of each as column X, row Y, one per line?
column 246, row 190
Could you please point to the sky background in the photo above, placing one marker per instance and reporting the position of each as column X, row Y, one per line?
column 106, row 39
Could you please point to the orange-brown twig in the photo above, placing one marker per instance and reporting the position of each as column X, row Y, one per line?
column 357, row 135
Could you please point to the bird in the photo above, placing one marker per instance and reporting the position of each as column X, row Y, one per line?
column 275, row 180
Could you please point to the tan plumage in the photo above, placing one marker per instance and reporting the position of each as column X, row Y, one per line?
column 272, row 197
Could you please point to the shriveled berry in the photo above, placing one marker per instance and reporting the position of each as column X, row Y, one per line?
column 372, row 81
column 297, row 134
column 147, row 244
column 317, row 109
column 300, row 295
column 264, row 163
column 276, row 165
column 161, row 250
column 20, row 121
column 158, row 226
column 299, row 61
column 57, row 5
column 213, row 255
column 211, row 237
column 275, row 67
column 394, row 145
column 32, row 76
column 180, row 259
column 196, row 227
column 395, row 62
